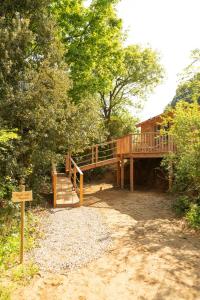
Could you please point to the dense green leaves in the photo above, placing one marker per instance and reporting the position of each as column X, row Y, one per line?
column 100, row 64
column 34, row 99
column 189, row 88
column 185, row 129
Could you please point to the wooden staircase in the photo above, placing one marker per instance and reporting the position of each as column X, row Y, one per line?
column 65, row 193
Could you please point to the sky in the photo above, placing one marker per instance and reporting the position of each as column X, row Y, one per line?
column 169, row 26
column 172, row 28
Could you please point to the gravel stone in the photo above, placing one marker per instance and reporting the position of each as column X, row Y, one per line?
column 73, row 237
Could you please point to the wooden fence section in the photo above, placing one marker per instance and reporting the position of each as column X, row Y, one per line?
column 151, row 142
column 76, row 177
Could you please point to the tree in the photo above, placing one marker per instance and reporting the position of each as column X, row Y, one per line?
column 34, row 88
column 189, row 87
column 99, row 63
column 185, row 130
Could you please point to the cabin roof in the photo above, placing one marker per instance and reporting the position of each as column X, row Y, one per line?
column 153, row 119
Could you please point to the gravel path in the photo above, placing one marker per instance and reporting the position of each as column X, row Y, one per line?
column 73, row 237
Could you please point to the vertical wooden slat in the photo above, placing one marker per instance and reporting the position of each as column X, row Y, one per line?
column 81, row 189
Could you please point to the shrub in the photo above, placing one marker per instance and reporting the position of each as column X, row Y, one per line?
column 182, row 204
column 193, row 216
column 24, row 273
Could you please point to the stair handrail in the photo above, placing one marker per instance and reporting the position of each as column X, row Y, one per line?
column 72, row 167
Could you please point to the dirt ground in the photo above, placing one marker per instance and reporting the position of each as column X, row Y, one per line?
column 153, row 256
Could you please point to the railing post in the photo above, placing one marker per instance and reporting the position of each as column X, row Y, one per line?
column 70, row 167
column 81, row 189
column 54, row 188
column 75, row 178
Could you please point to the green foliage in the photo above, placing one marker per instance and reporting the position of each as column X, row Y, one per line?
column 10, row 235
column 189, row 87
column 182, row 204
column 185, row 130
column 5, row 292
column 188, row 90
column 24, row 273
column 34, row 97
column 6, row 136
column 193, row 216
column 121, row 124
column 99, row 63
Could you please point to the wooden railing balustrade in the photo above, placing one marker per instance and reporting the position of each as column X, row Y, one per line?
column 77, row 181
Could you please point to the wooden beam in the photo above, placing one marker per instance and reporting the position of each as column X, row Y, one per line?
column 118, row 173
column 100, row 164
column 122, row 173
column 131, row 174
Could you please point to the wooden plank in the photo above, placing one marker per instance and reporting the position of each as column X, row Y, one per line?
column 22, row 196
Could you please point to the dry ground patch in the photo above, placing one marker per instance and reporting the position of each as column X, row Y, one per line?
column 153, row 255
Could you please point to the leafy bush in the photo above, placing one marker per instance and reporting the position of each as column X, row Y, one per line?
column 182, row 204
column 185, row 130
column 24, row 273
column 193, row 216
column 5, row 292
column 10, row 236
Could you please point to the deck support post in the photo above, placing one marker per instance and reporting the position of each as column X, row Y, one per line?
column 131, row 174
column 170, row 176
column 122, row 173
column 118, row 173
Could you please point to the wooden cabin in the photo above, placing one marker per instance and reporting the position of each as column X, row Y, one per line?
column 149, row 143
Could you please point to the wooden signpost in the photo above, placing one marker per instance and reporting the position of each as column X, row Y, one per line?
column 21, row 197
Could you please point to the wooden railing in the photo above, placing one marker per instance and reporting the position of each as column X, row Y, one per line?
column 146, row 142
column 109, row 152
column 76, row 177
column 149, row 142
column 97, row 153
